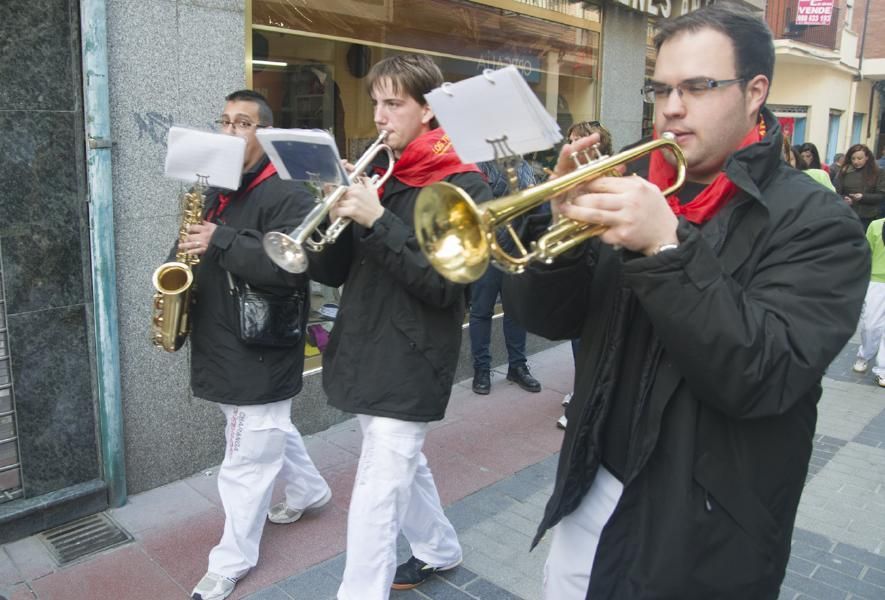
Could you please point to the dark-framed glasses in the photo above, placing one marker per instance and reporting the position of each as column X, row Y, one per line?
column 690, row 88
column 238, row 124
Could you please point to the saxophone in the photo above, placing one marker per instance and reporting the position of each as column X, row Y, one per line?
column 174, row 280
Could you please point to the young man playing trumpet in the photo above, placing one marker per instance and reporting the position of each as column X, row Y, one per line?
column 706, row 321
column 394, row 347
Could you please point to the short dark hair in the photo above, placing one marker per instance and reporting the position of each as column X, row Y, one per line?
column 414, row 74
column 265, row 114
column 749, row 35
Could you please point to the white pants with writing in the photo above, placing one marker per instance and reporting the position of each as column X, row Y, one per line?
column 393, row 491
column 262, row 443
column 575, row 538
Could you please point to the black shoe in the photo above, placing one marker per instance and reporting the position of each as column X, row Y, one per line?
column 482, row 383
column 520, row 376
column 415, row 571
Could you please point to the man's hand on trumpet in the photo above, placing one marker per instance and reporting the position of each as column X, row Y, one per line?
column 634, row 210
column 360, row 203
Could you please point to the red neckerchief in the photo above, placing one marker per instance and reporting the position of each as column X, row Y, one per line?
column 713, row 197
column 223, row 199
column 427, row 159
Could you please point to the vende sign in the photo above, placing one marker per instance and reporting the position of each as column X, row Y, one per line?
column 814, row 12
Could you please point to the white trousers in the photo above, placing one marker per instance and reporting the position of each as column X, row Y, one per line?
column 393, row 491
column 872, row 326
column 575, row 538
column 262, row 443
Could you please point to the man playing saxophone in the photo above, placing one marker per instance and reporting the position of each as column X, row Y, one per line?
column 253, row 385
column 393, row 350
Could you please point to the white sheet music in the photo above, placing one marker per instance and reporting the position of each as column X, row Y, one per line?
column 192, row 152
column 492, row 106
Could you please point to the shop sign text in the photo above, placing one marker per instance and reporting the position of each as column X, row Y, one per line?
column 665, row 8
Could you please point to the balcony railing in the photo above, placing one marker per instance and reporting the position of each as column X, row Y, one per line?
column 780, row 15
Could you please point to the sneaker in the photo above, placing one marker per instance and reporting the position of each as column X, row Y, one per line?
column 414, row 572
column 567, row 399
column 281, row 513
column 880, row 380
column 213, row 587
column 860, row 366
column 561, row 422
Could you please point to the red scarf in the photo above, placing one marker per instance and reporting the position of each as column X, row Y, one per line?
column 713, row 197
column 267, row 172
column 427, row 159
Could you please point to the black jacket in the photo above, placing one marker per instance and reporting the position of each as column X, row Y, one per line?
column 871, row 203
column 397, row 337
column 223, row 369
column 746, row 314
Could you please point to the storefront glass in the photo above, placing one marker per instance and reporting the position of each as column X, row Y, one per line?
column 310, row 63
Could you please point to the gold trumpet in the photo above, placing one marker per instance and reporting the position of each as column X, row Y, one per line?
column 459, row 238
column 288, row 250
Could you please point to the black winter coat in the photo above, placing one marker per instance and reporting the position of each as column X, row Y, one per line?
column 223, row 369
column 397, row 337
column 747, row 314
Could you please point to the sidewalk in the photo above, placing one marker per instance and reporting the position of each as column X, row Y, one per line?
column 494, row 459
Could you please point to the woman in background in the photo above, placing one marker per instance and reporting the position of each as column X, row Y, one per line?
column 861, row 183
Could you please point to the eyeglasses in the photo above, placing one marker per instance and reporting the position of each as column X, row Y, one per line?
column 691, row 87
column 239, row 125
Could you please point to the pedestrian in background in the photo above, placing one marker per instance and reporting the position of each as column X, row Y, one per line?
column 605, row 148
column 872, row 319
column 810, row 158
column 707, row 320
column 484, row 294
column 838, row 161
column 862, row 184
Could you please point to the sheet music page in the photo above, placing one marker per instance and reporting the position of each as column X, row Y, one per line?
column 303, row 154
column 489, row 107
column 192, row 152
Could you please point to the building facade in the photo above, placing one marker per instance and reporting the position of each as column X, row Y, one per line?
column 90, row 410
column 827, row 76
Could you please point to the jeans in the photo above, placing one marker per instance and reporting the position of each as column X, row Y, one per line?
column 483, row 294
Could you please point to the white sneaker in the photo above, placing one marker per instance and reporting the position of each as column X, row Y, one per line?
column 213, row 587
column 860, row 366
column 561, row 422
column 880, row 380
column 567, row 399
column 282, row 514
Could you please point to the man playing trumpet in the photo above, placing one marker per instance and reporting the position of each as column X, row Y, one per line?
column 705, row 325
column 393, row 350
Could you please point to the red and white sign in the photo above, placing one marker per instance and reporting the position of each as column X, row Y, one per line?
column 814, row 12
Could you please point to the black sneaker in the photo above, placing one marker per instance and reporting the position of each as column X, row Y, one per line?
column 414, row 572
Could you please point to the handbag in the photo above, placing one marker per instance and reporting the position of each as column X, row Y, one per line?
column 266, row 319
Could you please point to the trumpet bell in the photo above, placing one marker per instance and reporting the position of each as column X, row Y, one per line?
column 285, row 252
column 450, row 233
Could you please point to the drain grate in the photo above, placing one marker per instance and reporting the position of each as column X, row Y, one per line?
column 75, row 540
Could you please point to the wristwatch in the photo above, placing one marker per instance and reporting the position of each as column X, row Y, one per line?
column 665, row 247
